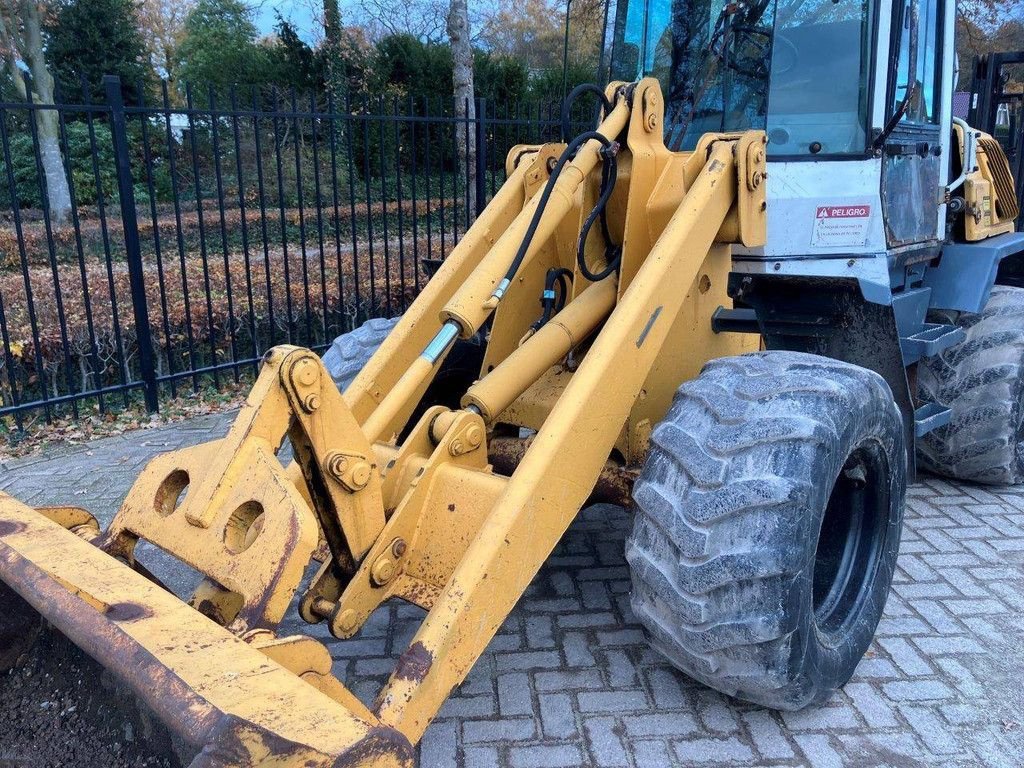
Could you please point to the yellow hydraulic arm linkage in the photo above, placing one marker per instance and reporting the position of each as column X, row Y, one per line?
column 424, row 516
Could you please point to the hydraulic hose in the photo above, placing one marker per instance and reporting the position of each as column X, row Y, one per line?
column 550, row 301
column 613, row 252
column 576, row 92
column 567, row 154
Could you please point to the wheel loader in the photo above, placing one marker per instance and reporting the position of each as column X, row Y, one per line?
column 774, row 279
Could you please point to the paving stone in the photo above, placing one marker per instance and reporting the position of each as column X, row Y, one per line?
column 482, row 757
column 870, row 704
column 819, row 751
column 767, row 735
column 514, row 694
column 546, row 756
column 505, row 729
column 720, row 751
column 611, row 701
column 557, row 715
column 570, row 681
column 917, row 690
column 667, row 724
column 604, row 742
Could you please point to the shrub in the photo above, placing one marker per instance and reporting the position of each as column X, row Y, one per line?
column 78, row 156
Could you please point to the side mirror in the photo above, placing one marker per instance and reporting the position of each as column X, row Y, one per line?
column 912, row 83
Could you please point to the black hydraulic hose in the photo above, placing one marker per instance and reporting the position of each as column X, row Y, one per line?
column 576, row 92
column 613, row 253
column 567, row 154
column 551, row 302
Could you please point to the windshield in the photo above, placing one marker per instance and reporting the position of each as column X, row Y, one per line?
column 795, row 68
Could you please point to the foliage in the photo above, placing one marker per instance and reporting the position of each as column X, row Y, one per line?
column 533, row 31
column 500, row 79
column 282, row 306
column 546, row 87
column 87, row 39
column 291, row 63
column 974, row 37
column 422, row 19
column 415, row 68
column 219, row 46
column 79, row 158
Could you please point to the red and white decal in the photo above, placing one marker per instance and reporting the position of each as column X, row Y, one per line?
column 841, row 226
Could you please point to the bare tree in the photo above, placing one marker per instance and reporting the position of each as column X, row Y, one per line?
column 423, row 19
column 21, row 42
column 462, row 81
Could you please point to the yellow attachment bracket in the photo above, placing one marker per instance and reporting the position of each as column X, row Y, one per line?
column 231, row 511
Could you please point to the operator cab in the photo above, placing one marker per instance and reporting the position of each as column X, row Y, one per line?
column 859, row 161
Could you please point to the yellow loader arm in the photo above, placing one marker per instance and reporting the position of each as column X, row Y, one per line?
column 410, row 511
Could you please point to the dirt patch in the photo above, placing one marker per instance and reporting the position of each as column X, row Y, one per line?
column 58, row 708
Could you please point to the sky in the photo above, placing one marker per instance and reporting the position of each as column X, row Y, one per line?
column 298, row 12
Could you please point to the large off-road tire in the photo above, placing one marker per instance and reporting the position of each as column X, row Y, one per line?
column 767, row 525
column 981, row 380
column 351, row 351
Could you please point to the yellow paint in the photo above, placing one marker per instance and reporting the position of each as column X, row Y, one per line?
column 426, row 518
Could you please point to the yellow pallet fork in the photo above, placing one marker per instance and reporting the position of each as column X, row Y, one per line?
column 425, row 518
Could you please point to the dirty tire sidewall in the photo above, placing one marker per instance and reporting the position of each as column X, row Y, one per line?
column 347, row 355
column 981, row 380
column 729, row 510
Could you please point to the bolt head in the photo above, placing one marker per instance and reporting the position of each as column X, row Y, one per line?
column 311, row 402
column 307, row 373
column 398, row 547
column 360, row 474
column 336, row 464
column 383, row 571
column 474, row 435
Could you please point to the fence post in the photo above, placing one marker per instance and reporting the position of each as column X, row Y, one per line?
column 133, row 250
column 481, row 155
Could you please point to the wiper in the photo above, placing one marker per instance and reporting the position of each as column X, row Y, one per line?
column 912, row 82
column 898, row 115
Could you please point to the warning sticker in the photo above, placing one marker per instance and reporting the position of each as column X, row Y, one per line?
column 841, row 225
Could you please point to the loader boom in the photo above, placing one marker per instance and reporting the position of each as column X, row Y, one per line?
column 425, row 517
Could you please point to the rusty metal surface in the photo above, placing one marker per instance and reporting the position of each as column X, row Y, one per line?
column 614, row 484
column 216, row 692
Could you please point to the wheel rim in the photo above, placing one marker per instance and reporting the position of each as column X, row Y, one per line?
column 851, row 541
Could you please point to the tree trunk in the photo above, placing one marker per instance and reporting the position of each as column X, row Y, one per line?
column 47, row 124
column 465, row 105
column 335, row 65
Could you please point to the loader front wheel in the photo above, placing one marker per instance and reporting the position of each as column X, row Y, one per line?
column 767, row 525
column 981, row 380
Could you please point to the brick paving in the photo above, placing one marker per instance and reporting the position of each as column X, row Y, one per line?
column 569, row 681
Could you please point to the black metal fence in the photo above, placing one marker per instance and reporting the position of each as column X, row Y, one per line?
column 201, row 233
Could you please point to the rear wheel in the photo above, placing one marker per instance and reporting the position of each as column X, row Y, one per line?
column 982, row 381
column 767, row 525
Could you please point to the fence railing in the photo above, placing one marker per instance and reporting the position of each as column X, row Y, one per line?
column 200, row 234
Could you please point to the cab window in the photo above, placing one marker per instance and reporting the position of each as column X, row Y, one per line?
column 923, row 107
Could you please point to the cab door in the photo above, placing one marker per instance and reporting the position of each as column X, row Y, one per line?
column 912, row 159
